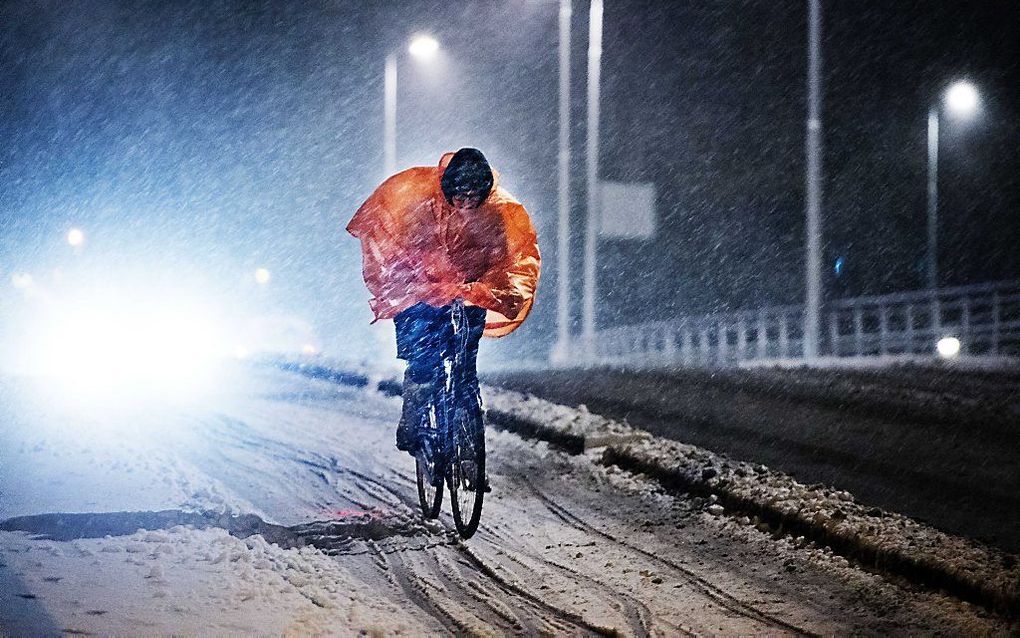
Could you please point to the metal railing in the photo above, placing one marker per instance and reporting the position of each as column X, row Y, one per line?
column 985, row 318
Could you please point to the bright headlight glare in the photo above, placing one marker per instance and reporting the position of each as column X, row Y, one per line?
column 165, row 350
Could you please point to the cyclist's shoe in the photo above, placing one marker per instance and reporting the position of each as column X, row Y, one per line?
column 406, row 439
column 415, row 398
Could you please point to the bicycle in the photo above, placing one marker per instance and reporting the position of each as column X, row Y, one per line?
column 451, row 433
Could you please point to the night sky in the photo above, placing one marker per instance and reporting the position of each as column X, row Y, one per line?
column 218, row 137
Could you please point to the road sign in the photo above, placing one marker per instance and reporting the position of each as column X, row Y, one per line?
column 627, row 210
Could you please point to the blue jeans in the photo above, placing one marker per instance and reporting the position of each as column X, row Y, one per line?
column 425, row 338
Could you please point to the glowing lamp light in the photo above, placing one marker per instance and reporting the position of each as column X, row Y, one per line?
column 962, row 98
column 309, row 349
column 948, row 347
column 423, row 47
column 262, row 276
column 75, row 237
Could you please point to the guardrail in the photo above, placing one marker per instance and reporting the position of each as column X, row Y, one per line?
column 984, row 317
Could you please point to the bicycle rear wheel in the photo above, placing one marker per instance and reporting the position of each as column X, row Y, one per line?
column 429, row 466
column 466, row 473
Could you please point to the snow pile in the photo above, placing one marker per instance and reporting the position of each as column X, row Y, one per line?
column 573, row 428
column 832, row 517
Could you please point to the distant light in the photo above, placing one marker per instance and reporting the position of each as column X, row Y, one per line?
column 309, row 349
column 240, row 352
column 75, row 237
column 262, row 275
column 21, row 280
column 838, row 267
column 962, row 98
column 423, row 47
column 948, row 347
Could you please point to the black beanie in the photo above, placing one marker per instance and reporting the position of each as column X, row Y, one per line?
column 467, row 173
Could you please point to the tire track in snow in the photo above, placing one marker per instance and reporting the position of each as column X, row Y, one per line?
column 474, row 602
column 558, row 619
column 636, row 612
column 704, row 587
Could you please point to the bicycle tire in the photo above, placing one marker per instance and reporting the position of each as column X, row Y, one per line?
column 430, row 497
column 472, row 431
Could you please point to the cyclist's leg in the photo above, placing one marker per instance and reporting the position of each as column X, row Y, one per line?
column 475, row 324
column 468, row 375
column 418, row 330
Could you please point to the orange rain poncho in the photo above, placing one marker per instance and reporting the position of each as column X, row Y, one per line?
column 418, row 248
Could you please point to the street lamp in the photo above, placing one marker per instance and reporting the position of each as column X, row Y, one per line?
column 422, row 47
column 961, row 100
column 75, row 237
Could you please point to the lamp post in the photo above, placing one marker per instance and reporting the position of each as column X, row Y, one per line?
column 422, row 47
column 561, row 349
column 961, row 99
column 592, row 174
column 813, row 305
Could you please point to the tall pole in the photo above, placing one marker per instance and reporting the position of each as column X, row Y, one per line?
column 390, row 110
column 933, row 197
column 812, row 315
column 592, row 161
column 562, row 348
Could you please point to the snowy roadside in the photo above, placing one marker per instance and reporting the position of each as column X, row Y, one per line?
column 885, row 540
column 771, row 500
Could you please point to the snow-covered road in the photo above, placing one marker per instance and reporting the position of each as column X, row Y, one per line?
column 283, row 507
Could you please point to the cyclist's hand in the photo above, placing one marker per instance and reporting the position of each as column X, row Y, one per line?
column 477, row 293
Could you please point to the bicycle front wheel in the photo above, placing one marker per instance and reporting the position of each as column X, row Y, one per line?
column 467, row 472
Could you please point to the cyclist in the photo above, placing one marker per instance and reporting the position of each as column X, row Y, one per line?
column 429, row 236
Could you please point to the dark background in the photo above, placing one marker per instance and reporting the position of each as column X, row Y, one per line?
column 218, row 137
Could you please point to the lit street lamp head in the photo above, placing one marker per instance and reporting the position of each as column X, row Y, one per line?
column 962, row 98
column 423, row 47
column 75, row 237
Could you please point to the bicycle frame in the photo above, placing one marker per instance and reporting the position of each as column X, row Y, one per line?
column 442, row 405
column 450, row 433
